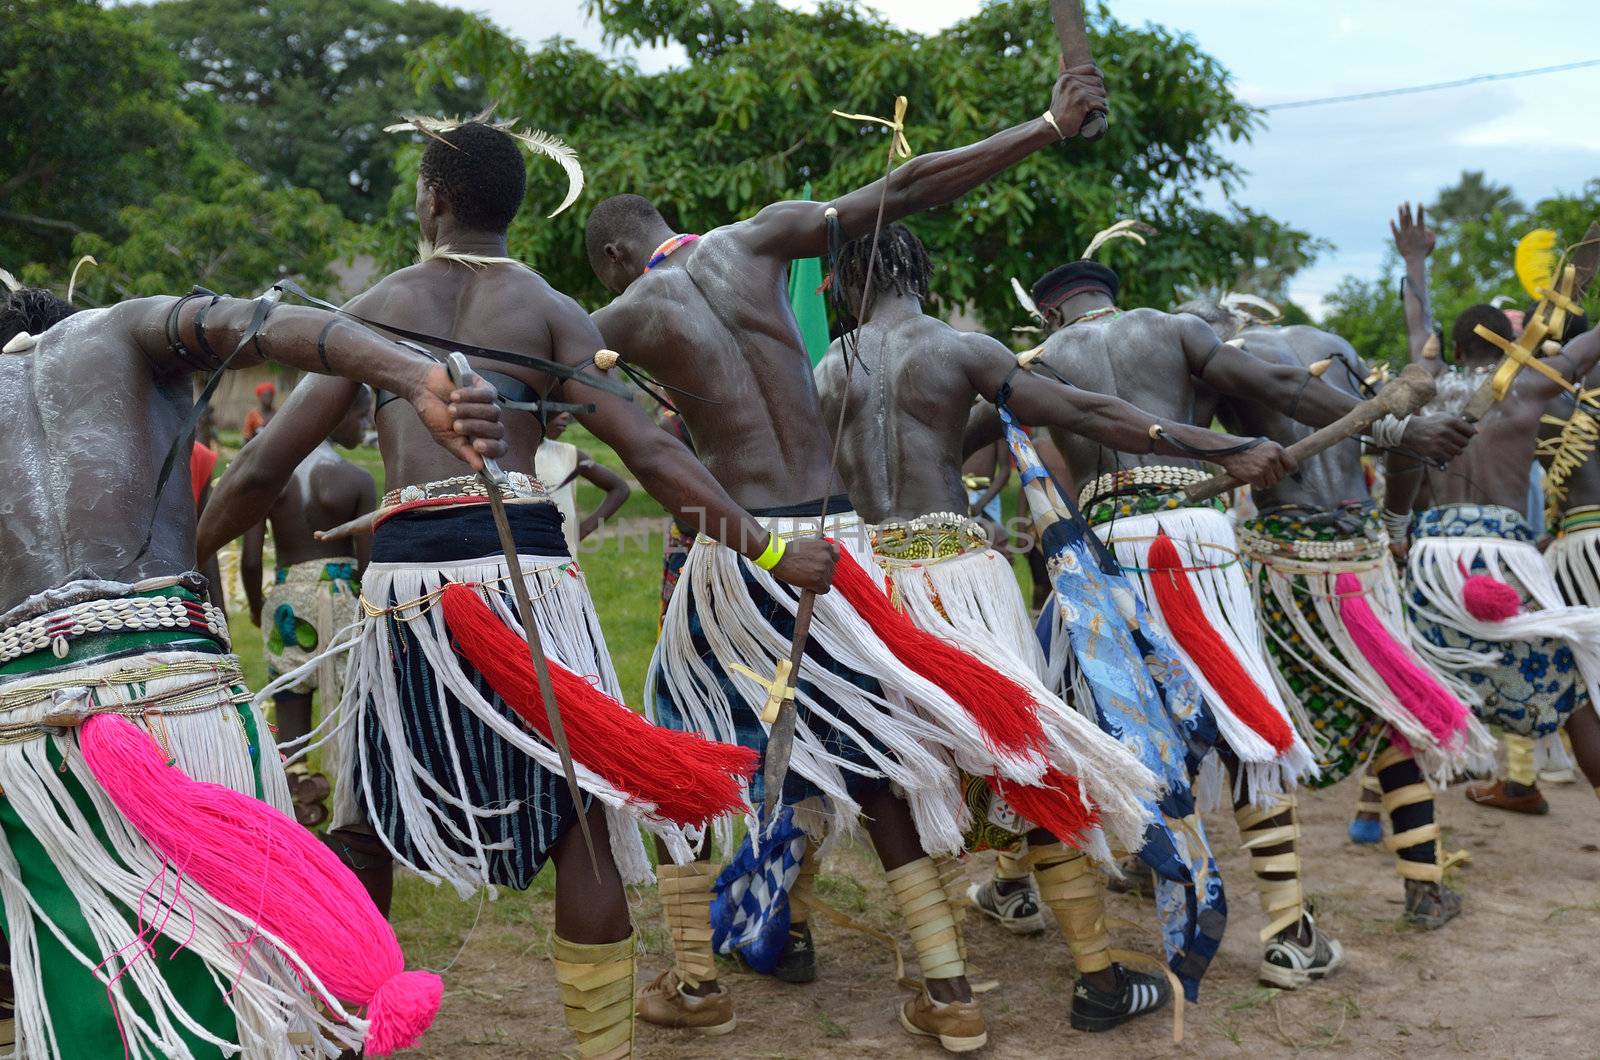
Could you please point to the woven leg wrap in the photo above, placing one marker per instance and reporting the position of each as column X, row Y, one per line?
column 686, row 902
column 919, row 895
column 1428, row 870
column 953, row 878
column 597, row 996
column 1076, row 895
column 1277, row 875
column 804, row 891
column 1011, row 866
column 1519, row 759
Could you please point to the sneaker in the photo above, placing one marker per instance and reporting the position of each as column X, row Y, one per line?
column 1503, row 795
column 665, row 1004
column 1137, row 994
column 798, row 962
column 1289, row 964
column 1017, row 911
column 958, row 1025
column 1430, row 906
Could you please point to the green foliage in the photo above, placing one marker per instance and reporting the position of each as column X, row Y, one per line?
column 1472, row 263
column 89, row 121
column 1472, row 196
column 747, row 122
column 306, row 88
column 228, row 231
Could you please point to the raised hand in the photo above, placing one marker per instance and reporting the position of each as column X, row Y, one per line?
column 1412, row 236
column 1079, row 92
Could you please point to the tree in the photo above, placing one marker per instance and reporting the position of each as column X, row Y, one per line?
column 306, row 89
column 747, row 122
column 1473, row 198
column 89, row 121
column 1472, row 263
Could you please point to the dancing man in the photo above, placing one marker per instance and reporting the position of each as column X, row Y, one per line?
column 98, row 592
column 708, row 316
column 1330, row 603
column 902, row 412
column 450, row 767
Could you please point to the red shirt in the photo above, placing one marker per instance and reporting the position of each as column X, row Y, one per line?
column 202, row 462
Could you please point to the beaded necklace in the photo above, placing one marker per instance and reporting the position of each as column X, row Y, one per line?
column 666, row 249
column 1095, row 314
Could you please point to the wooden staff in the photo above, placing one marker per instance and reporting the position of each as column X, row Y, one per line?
column 1408, row 392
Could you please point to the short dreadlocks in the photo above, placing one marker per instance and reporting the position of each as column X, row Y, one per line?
column 903, row 265
column 31, row 309
column 479, row 171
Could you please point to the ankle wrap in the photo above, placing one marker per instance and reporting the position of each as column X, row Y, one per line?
column 1426, row 867
column 1519, row 759
column 804, row 892
column 597, row 996
column 919, row 895
column 1075, row 894
column 1277, row 874
column 1008, row 866
column 686, row 902
column 953, row 878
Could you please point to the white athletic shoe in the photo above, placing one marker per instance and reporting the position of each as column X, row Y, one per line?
column 1017, row 912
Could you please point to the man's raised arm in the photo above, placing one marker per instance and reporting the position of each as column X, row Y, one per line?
column 1414, row 241
column 1043, row 402
column 798, row 229
column 245, row 493
column 1234, row 373
column 180, row 336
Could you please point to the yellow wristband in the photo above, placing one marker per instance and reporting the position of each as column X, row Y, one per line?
column 776, row 547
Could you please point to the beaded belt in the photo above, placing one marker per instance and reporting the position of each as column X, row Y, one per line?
column 121, row 615
column 928, row 538
column 1585, row 518
column 1164, row 478
column 1266, row 546
column 33, row 708
column 517, row 484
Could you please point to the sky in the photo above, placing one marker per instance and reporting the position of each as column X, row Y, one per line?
column 1336, row 171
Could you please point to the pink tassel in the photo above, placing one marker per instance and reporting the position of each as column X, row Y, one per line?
column 1419, row 692
column 265, row 867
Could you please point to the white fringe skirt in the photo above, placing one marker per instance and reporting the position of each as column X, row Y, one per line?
column 125, row 895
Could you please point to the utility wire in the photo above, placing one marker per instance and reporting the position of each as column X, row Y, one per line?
column 1383, row 93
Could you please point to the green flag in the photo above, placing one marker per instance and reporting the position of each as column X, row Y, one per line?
column 805, row 298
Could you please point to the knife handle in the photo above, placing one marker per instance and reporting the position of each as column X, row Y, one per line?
column 1094, row 125
column 460, row 372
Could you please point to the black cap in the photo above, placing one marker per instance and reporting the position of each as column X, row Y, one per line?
column 1060, row 283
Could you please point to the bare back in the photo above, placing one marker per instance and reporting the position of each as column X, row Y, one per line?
column 1497, row 464
column 87, row 427
column 504, row 307
column 325, row 491
column 713, row 320
column 1333, row 477
column 1137, row 356
column 905, row 411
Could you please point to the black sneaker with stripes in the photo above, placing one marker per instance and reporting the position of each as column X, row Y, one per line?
column 1136, row 995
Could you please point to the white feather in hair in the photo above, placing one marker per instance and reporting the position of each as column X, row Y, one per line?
column 1025, row 300
column 536, row 140
column 72, row 281
column 1251, row 306
column 1127, row 228
column 10, row 281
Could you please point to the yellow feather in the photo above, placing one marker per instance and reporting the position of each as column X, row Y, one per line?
column 1536, row 261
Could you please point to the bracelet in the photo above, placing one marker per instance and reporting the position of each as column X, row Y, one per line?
column 1388, row 431
column 776, row 547
column 1051, row 118
column 1397, row 524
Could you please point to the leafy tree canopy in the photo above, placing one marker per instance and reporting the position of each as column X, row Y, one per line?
column 306, row 88
column 1471, row 263
column 746, row 122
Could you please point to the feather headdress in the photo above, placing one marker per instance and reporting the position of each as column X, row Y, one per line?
column 1127, row 228
column 10, row 281
column 1248, row 305
column 535, row 140
column 72, row 281
column 1536, row 260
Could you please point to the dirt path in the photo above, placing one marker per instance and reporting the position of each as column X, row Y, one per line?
column 1514, row 977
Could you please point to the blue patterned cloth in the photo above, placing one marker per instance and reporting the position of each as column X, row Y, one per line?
column 750, row 908
column 1531, row 687
column 1146, row 698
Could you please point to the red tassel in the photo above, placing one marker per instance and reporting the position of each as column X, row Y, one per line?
column 687, row 778
column 1002, row 709
column 1056, row 805
column 1187, row 623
